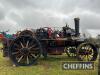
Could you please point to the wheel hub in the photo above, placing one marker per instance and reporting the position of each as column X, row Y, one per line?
column 88, row 52
column 25, row 51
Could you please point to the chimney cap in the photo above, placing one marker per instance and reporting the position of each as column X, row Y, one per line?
column 77, row 18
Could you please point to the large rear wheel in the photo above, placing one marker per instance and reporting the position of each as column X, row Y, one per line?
column 24, row 50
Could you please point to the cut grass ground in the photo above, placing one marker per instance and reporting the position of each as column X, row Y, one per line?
column 50, row 66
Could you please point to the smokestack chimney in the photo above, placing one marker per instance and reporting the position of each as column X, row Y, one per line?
column 76, row 20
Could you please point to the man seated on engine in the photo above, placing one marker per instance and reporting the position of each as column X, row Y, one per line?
column 67, row 31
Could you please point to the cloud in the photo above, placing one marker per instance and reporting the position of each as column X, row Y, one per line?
column 16, row 15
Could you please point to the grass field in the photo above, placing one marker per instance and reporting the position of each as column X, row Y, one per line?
column 50, row 66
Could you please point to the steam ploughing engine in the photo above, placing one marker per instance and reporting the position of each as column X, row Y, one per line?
column 25, row 47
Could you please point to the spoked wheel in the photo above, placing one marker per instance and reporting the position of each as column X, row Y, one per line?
column 24, row 51
column 87, row 52
column 71, row 51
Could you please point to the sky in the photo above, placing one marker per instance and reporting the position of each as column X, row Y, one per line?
column 21, row 14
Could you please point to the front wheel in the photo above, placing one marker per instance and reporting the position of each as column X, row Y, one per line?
column 87, row 52
column 71, row 51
